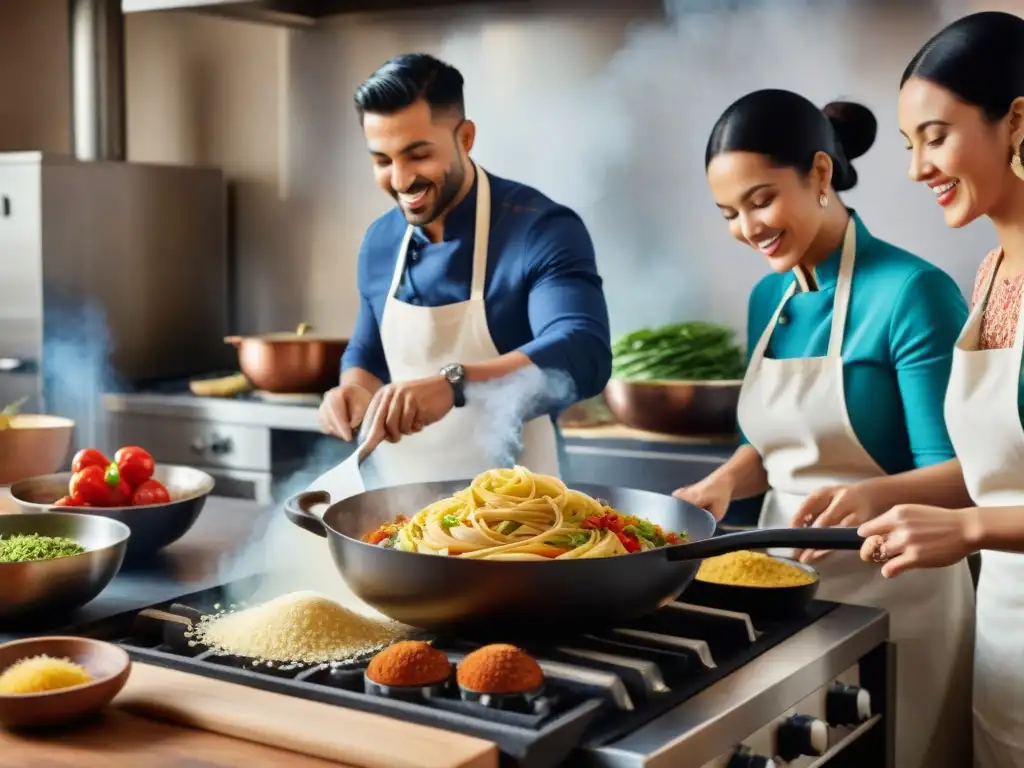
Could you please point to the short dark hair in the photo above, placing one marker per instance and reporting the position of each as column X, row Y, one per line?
column 979, row 58
column 790, row 130
column 406, row 79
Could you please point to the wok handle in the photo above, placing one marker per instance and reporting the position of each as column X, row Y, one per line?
column 297, row 508
column 797, row 538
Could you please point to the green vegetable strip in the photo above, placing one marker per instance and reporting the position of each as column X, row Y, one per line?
column 694, row 351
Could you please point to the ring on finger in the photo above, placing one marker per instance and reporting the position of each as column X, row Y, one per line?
column 880, row 555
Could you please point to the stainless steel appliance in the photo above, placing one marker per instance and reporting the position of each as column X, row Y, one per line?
column 687, row 686
column 111, row 272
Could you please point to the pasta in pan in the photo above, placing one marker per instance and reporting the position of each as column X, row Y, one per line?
column 514, row 514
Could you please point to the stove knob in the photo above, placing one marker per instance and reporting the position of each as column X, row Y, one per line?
column 801, row 735
column 742, row 758
column 847, row 705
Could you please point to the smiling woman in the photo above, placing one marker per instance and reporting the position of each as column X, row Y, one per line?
column 961, row 110
column 798, row 164
column 851, row 341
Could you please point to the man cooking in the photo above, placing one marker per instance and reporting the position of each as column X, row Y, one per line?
column 467, row 287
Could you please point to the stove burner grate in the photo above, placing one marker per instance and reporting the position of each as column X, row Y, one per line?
column 599, row 686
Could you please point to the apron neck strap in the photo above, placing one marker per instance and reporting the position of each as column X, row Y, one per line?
column 841, row 303
column 481, row 234
column 757, row 353
column 403, row 249
column 1018, row 338
column 481, row 238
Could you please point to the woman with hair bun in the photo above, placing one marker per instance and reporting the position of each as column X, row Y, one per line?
column 961, row 111
column 851, row 341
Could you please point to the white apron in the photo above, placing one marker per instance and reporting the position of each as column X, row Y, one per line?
column 420, row 341
column 984, row 424
column 793, row 411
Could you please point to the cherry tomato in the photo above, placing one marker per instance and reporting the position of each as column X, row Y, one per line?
column 90, row 485
column 136, row 465
column 88, row 457
column 150, row 492
column 121, row 495
column 69, row 501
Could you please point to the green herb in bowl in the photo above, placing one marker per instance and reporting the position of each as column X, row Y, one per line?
column 26, row 547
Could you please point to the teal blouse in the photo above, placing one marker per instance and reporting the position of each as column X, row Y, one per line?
column 904, row 318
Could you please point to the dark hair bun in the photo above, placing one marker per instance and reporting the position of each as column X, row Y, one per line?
column 855, row 126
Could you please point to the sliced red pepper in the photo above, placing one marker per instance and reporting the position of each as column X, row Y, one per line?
column 378, row 536
column 629, row 542
column 613, row 523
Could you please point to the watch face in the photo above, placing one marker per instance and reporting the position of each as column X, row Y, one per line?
column 454, row 373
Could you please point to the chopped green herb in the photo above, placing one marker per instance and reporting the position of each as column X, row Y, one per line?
column 450, row 521
column 508, row 527
column 569, row 540
column 25, row 547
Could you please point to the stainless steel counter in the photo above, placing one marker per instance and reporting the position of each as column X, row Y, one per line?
column 248, row 412
column 780, row 682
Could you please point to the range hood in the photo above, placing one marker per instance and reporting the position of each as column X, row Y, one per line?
column 292, row 13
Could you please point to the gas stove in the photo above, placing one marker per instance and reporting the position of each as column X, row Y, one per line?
column 686, row 686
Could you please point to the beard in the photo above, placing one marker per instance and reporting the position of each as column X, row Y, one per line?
column 444, row 193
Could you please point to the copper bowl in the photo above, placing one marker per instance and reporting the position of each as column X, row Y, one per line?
column 290, row 363
column 108, row 665
column 34, row 445
column 675, row 407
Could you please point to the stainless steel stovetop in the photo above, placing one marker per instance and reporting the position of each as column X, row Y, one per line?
column 687, row 686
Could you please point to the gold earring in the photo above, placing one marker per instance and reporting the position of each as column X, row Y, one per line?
column 1015, row 163
column 823, row 198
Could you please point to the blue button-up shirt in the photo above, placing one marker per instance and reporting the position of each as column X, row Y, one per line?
column 543, row 295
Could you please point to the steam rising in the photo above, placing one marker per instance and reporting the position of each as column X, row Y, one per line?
column 76, row 367
column 622, row 142
column 508, row 402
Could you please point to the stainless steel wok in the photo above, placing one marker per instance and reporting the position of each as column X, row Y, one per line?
column 435, row 592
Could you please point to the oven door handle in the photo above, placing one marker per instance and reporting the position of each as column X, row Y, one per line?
column 18, row 365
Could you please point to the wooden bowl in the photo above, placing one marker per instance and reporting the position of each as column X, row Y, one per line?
column 675, row 407
column 771, row 603
column 34, row 445
column 108, row 665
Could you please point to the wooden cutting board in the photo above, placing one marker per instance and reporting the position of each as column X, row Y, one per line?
column 320, row 730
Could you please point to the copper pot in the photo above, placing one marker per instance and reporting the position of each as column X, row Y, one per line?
column 290, row 363
column 675, row 407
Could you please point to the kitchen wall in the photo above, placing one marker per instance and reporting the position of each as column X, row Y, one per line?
column 200, row 91
column 609, row 112
column 35, row 96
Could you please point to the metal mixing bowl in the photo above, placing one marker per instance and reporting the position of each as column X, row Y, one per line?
column 43, row 589
column 675, row 407
column 153, row 526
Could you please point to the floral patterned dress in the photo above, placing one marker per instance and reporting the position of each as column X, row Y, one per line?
column 999, row 323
